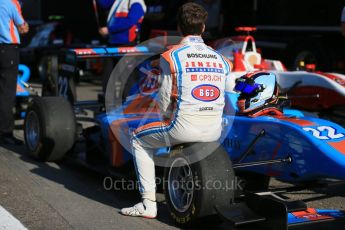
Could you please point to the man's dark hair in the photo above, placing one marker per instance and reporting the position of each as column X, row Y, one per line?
column 191, row 18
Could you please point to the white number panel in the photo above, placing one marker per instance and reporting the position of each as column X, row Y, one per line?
column 325, row 133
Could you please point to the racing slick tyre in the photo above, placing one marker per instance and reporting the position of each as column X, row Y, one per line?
column 48, row 72
column 49, row 128
column 194, row 188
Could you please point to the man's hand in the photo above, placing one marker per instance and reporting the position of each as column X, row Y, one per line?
column 103, row 31
column 24, row 28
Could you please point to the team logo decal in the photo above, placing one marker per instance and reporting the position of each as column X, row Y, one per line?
column 149, row 84
column 206, row 93
column 127, row 50
column 194, row 77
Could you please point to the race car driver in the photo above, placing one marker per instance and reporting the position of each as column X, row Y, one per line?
column 124, row 20
column 191, row 96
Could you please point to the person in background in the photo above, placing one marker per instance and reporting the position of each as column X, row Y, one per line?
column 154, row 17
column 12, row 24
column 342, row 20
column 123, row 22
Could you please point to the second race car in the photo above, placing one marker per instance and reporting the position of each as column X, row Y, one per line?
column 311, row 90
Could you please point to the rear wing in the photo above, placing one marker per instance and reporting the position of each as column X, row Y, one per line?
column 73, row 62
column 113, row 52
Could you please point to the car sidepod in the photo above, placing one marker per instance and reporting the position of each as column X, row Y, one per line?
column 316, row 146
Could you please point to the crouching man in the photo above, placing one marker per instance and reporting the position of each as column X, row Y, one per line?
column 194, row 79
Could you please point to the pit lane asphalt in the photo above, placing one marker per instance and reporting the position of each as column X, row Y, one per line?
column 68, row 196
column 64, row 196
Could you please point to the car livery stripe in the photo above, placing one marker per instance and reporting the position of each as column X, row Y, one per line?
column 115, row 144
column 339, row 146
column 113, row 51
column 84, row 51
column 310, row 214
column 271, row 172
column 140, row 103
column 129, row 49
column 117, row 154
column 333, row 77
column 314, row 215
column 296, row 121
column 116, row 147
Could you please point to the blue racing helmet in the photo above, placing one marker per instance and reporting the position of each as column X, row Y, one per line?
column 258, row 92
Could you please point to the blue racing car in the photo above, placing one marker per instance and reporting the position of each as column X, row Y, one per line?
column 261, row 139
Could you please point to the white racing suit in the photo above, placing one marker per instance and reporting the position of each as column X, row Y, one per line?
column 193, row 80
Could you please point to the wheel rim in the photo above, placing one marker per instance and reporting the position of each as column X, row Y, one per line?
column 181, row 185
column 32, row 130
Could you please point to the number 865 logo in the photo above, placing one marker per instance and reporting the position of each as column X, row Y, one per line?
column 325, row 133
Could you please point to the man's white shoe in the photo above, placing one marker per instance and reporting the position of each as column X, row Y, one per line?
column 146, row 209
